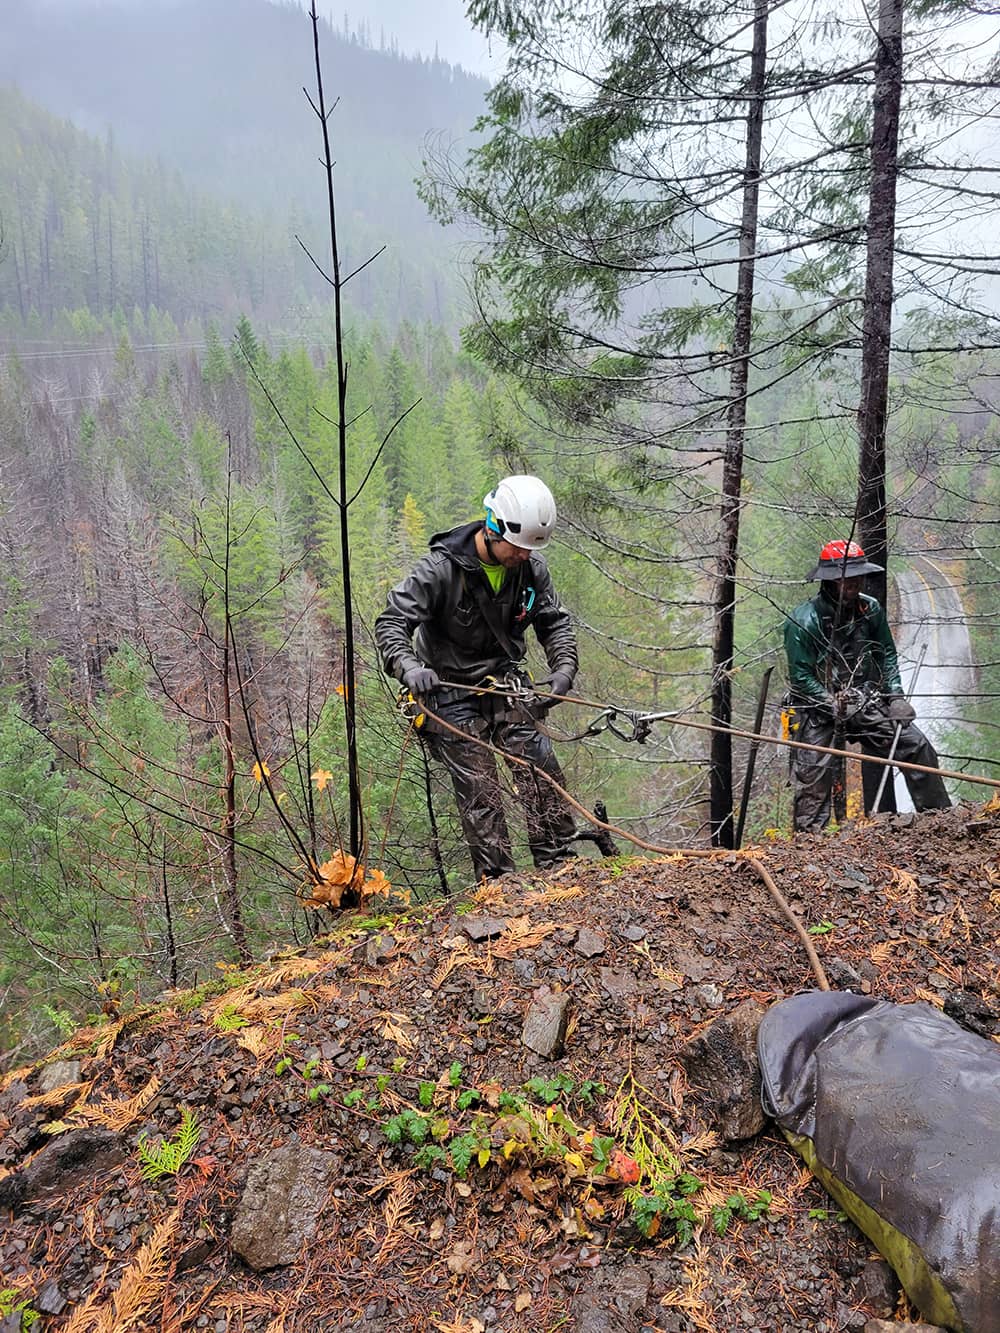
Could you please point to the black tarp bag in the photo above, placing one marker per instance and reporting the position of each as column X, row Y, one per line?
column 896, row 1110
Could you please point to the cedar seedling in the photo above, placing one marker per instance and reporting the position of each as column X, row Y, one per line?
column 167, row 1157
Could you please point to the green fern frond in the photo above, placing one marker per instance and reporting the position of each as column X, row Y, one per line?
column 228, row 1019
column 168, row 1156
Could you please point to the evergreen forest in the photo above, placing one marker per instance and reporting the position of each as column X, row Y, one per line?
column 562, row 281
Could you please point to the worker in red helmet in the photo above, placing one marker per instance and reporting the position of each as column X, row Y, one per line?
column 844, row 676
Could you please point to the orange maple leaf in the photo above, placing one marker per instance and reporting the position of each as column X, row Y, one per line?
column 376, row 885
column 624, row 1168
column 321, row 777
column 341, row 869
column 328, row 882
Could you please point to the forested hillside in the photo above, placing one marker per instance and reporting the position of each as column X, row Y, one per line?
column 201, row 168
column 89, row 231
column 172, row 625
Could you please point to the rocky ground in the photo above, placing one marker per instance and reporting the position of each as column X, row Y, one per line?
column 455, row 1118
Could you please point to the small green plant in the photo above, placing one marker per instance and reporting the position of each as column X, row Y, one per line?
column 381, row 1083
column 11, row 1302
column 425, row 1093
column 168, row 1156
column 617, row 865
column 460, row 1150
column 823, row 928
column 283, row 1065
column 602, row 1148
column 669, row 1201
column 318, row 1091
column 353, row 1097
column 361, row 1064
column 737, row 1205
column 63, row 1022
column 468, row 1098
column 399, row 1064
column 588, row 1090
column 309, row 1068
column 455, row 1073
column 549, row 1090
column 228, row 1019
column 429, row 1155
column 407, row 1127
column 509, row 1101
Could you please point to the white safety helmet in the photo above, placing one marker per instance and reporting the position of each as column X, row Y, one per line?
column 521, row 510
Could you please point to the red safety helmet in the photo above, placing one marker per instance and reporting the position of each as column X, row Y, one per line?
column 843, row 560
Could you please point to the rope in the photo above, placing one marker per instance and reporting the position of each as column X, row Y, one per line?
column 647, row 718
column 700, row 853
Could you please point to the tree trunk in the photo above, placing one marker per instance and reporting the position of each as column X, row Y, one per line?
column 721, row 774
column 877, row 329
column 357, row 829
column 229, row 863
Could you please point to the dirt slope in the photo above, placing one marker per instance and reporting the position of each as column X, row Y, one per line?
column 520, row 1215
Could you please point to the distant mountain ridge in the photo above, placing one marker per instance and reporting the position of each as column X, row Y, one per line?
column 214, row 90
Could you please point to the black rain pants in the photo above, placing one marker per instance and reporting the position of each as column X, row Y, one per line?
column 872, row 728
column 474, row 776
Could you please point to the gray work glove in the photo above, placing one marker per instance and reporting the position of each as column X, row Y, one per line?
column 561, row 684
column 421, row 680
column 900, row 709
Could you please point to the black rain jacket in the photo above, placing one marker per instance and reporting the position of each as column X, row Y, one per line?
column 445, row 615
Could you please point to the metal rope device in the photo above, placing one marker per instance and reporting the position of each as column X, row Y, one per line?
column 641, row 725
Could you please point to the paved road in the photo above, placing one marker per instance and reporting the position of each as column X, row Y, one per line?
column 930, row 611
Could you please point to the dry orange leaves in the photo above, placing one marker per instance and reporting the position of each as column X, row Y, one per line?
column 328, row 882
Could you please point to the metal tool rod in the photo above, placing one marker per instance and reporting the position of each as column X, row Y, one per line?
column 752, row 756
column 899, row 730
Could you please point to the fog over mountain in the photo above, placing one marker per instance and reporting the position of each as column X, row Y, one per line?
column 438, row 28
column 214, row 90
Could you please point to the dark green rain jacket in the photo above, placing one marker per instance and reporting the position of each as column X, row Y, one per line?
column 827, row 653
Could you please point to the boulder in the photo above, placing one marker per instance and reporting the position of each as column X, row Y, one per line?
column 281, row 1205
column 61, row 1165
column 58, row 1074
column 723, row 1069
column 545, row 1023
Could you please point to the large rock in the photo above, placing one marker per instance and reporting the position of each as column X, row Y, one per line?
column 545, row 1023
column 281, row 1205
column 61, row 1165
column 722, row 1067
column 877, row 1287
column 59, row 1074
column 588, row 943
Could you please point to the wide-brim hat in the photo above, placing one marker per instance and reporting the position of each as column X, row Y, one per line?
column 843, row 560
